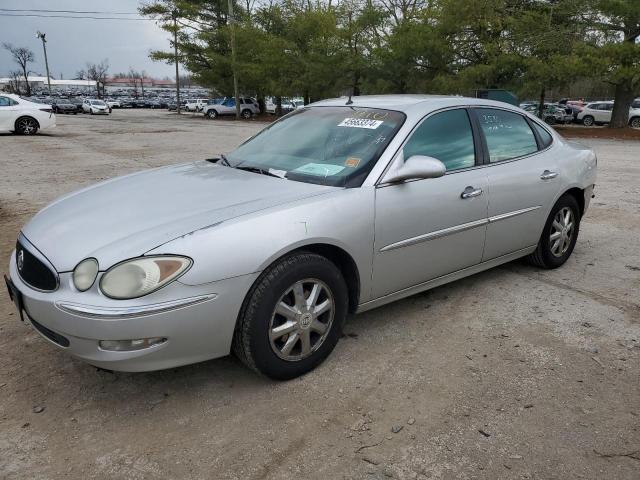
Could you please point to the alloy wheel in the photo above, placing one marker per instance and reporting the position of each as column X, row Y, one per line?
column 27, row 126
column 562, row 230
column 301, row 320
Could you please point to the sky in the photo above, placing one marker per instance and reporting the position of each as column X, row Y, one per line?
column 71, row 43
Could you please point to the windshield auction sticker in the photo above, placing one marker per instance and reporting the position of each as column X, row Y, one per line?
column 360, row 123
column 319, row 169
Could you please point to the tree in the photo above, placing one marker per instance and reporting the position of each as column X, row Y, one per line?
column 22, row 56
column 98, row 73
column 614, row 53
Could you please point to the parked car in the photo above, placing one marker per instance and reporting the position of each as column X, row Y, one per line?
column 287, row 105
column 64, row 106
column 196, row 105
column 248, row 107
column 597, row 113
column 113, row 103
column 95, row 107
column 132, row 284
column 24, row 117
column 78, row 104
column 552, row 113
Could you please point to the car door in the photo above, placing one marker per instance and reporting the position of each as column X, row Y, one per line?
column 7, row 113
column 523, row 181
column 428, row 228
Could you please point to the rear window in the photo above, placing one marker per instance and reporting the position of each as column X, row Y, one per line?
column 545, row 137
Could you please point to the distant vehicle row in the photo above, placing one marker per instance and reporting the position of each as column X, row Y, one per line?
column 588, row 114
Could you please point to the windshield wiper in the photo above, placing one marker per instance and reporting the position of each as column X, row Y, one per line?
column 221, row 160
column 258, row 170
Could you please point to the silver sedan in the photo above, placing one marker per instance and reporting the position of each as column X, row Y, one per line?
column 337, row 208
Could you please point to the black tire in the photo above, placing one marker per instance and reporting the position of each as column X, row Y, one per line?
column 245, row 114
column 543, row 256
column 26, row 126
column 212, row 114
column 588, row 121
column 251, row 343
column 635, row 122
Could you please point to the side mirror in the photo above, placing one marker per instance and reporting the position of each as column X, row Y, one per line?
column 417, row 167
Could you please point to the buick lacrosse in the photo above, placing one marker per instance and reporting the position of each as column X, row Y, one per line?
column 337, row 208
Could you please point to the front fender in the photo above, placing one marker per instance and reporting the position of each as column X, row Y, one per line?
column 249, row 243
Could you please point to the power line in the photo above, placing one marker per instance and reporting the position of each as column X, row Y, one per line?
column 79, row 17
column 64, row 11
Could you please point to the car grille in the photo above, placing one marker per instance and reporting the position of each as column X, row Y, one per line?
column 33, row 271
column 50, row 334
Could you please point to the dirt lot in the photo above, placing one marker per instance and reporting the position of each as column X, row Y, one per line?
column 512, row 373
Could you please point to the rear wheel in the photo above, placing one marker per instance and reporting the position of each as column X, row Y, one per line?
column 559, row 235
column 635, row 122
column 26, row 126
column 588, row 121
column 292, row 317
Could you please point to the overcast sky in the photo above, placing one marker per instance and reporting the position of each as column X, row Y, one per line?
column 71, row 43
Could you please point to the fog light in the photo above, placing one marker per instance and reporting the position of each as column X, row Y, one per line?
column 131, row 345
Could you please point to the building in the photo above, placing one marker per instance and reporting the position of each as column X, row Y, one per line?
column 40, row 83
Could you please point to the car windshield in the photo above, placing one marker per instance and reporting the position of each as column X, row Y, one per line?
column 97, row 102
column 335, row 146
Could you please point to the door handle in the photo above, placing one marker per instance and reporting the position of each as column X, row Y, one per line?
column 548, row 175
column 471, row 192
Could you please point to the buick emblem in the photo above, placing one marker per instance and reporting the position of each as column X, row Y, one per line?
column 20, row 260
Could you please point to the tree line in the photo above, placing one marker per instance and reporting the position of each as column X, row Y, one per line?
column 323, row 48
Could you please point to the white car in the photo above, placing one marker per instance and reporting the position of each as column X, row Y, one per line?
column 24, row 117
column 248, row 107
column 600, row 112
column 95, row 107
column 113, row 103
column 196, row 104
column 287, row 106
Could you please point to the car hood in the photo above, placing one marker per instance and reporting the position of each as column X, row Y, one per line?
column 128, row 216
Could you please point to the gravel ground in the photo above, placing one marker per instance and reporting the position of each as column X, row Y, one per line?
column 511, row 373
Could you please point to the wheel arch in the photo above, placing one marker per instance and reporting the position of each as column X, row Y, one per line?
column 578, row 194
column 340, row 258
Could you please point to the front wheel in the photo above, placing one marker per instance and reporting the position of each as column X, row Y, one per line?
column 559, row 235
column 245, row 114
column 212, row 114
column 292, row 317
column 588, row 121
column 635, row 122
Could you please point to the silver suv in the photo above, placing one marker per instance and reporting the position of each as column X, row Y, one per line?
column 248, row 107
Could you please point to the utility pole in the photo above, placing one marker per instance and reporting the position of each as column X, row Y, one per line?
column 42, row 36
column 175, row 58
column 233, row 59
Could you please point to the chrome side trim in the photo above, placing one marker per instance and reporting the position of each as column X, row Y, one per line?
column 437, row 234
column 450, row 277
column 112, row 313
column 515, row 213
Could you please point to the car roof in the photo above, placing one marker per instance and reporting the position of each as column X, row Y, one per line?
column 411, row 102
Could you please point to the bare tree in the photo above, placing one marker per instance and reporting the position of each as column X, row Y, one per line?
column 81, row 74
column 98, row 73
column 22, row 56
column 14, row 82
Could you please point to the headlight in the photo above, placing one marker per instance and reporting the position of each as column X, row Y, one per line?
column 141, row 276
column 85, row 274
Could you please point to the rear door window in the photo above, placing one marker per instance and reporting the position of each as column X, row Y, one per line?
column 507, row 134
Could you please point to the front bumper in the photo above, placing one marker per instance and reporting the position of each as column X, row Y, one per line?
column 199, row 329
